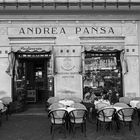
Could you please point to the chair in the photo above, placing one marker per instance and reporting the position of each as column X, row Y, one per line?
column 125, row 100
column 58, row 118
column 105, row 117
column 125, row 117
column 6, row 102
column 77, row 118
column 78, row 106
column 138, row 111
column 1, row 108
column 55, row 106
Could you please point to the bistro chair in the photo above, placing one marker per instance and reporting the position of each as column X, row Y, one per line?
column 55, row 106
column 1, row 108
column 77, row 118
column 125, row 100
column 125, row 117
column 105, row 118
column 138, row 111
column 6, row 102
column 58, row 119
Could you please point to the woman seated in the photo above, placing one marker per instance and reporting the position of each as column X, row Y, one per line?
column 89, row 96
column 88, row 101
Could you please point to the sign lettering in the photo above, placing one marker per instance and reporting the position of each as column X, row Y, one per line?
column 99, row 30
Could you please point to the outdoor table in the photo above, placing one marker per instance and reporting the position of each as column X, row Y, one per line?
column 133, row 103
column 68, row 109
column 102, row 101
column 66, row 102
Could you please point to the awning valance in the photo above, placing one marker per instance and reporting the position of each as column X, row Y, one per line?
column 32, row 49
column 103, row 49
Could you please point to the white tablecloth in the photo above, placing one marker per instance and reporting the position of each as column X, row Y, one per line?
column 68, row 109
column 133, row 103
column 66, row 102
column 102, row 101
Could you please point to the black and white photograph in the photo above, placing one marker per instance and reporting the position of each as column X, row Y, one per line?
column 69, row 69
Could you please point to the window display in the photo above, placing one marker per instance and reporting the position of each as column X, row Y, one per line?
column 103, row 71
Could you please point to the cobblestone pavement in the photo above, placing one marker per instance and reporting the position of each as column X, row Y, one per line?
column 36, row 127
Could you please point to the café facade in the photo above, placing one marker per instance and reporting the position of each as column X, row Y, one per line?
column 57, row 48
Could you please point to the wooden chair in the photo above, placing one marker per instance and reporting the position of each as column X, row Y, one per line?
column 1, row 108
column 105, row 117
column 58, row 118
column 77, row 118
column 138, row 111
column 125, row 117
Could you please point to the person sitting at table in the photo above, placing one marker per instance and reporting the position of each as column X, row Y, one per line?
column 108, row 95
column 88, row 101
column 89, row 96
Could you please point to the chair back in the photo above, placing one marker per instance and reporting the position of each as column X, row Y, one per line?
column 126, row 113
column 78, row 106
column 106, row 113
column 124, row 105
column 6, row 100
column 125, row 100
column 55, row 106
column 78, row 116
column 52, row 100
column 1, row 106
column 58, row 116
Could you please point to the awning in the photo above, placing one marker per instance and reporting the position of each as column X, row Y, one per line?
column 103, row 49
column 69, row 3
column 32, row 51
column 31, row 48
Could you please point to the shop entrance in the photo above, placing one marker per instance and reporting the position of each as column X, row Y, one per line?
column 36, row 79
column 31, row 76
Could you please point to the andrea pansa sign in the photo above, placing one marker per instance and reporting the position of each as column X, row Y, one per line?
column 64, row 30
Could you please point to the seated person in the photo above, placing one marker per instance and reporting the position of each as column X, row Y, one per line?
column 89, row 96
column 88, row 101
column 107, row 95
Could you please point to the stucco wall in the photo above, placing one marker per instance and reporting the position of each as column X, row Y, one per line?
column 127, row 29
